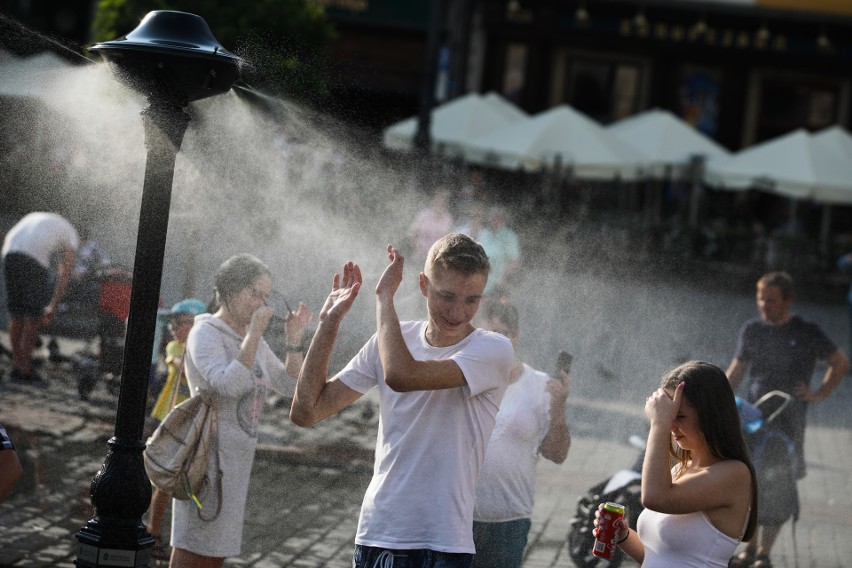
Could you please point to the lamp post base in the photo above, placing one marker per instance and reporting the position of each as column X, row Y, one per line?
column 94, row 549
column 120, row 493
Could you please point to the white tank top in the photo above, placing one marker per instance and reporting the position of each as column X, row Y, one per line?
column 684, row 541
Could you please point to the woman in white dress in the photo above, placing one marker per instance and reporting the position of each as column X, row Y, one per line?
column 697, row 512
column 228, row 359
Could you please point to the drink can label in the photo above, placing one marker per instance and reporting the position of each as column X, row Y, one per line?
column 607, row 531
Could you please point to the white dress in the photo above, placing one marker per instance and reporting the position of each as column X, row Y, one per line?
column 238, row 396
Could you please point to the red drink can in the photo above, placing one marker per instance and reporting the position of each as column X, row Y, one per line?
column 607, row 531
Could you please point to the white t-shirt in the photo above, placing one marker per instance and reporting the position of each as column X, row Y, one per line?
column 506, row 488
column 41, row 235
column 430, row 444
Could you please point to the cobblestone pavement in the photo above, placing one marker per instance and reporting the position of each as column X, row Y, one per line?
column 307, row 484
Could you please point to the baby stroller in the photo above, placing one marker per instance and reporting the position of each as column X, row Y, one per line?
column 95, row 309
column 774, row 456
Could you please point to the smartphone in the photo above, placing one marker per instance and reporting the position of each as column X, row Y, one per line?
column 563, row 363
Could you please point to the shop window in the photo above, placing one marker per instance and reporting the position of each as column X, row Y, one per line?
column 698, row 98
column 789, row 102
column 514, row 76
column 606, row 90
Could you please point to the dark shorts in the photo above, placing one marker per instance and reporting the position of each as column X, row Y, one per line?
column 371, row 557
column 29, row 286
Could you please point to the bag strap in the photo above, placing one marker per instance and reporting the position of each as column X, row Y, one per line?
column 214, row 442
column 176, row 388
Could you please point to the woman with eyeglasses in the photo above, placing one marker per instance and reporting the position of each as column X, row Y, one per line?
column 228, row 359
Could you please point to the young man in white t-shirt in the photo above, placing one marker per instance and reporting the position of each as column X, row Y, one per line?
column 440, row 383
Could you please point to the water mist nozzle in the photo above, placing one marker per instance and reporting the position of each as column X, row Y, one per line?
column 173, row 55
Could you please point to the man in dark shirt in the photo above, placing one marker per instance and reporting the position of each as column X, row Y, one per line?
column 780, row 350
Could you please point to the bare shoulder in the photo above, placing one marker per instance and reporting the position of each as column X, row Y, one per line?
column 731, row 469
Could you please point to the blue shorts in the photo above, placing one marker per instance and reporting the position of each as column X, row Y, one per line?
column 373, row 557
column 29, row 285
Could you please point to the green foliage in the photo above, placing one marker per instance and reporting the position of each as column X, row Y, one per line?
column 285, row 40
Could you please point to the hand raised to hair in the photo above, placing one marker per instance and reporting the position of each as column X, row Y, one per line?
column 344, row 290
column 663, row 407
column 392, row 276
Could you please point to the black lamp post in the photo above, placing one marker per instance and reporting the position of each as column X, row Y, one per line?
column 173, row 58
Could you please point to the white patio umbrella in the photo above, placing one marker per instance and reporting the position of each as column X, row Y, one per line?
column 798, row 165
column 559, row 136
column 833, row 153
column 833, row 156
column 504, row 106
column 455, row 123
column 784, row 165
column 669, row 142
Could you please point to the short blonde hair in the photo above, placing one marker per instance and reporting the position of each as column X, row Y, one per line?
column 457, row 251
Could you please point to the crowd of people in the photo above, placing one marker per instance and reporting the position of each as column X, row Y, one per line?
column 463, row 421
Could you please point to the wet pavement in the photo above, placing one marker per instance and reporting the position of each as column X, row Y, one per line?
column 307, row 484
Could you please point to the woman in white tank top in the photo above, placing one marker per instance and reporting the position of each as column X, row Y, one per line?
column 698, row 483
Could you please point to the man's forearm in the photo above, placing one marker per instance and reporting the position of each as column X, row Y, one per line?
column 393, row 351
column 313, row 374
column 838, row 365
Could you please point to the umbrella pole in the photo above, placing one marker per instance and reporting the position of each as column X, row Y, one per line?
column 696, row 166
column 825, row 228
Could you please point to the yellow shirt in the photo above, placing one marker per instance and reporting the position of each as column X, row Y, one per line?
column 174, row 350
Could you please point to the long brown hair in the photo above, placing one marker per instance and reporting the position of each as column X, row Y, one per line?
column 708, row 390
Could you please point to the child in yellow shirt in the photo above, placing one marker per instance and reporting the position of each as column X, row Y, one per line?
column 182, row 317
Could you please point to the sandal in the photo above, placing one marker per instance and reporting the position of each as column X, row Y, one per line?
column 762, row 561
column 742, row 560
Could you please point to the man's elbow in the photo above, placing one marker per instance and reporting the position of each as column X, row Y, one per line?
column 556, row 454
column 397, row 383
column 301, row 417
column 557, row 457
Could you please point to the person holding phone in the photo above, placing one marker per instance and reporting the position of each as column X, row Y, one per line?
column 531, row 423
